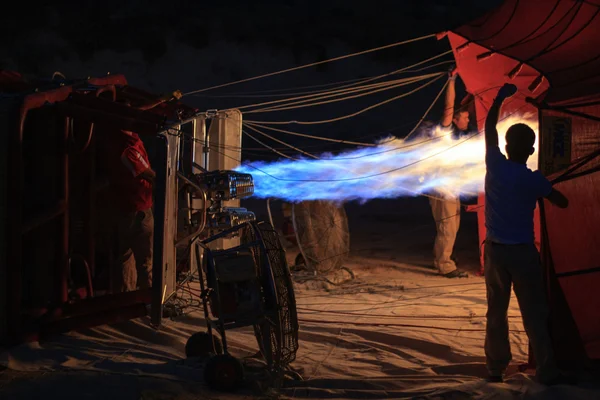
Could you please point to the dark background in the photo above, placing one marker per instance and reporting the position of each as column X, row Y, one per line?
column 161, row 46
column 166, row 45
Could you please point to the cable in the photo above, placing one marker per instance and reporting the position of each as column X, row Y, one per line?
column 528, row 38
column 581, row 29
column 368, row 176
column 349, row 115
column 338, row 92
column 282, row 142
column 267, row 146
column 311, row 136
column 313, row 64
column 510, row 18
column 341, row 88
column 370, row 135
column 427, row 111
column 255, row 94
column 374, row 324
column 298, row 104
column 548, row 47
column 395, row 316
column 317, row 94
column 589, row 3
column 383, row 172
column 358, row 178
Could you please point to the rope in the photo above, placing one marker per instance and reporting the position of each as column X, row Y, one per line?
column 282, row 142
column 313, row 64
column 384, row 172
column 427, row 111
column 528, row 38
column 266, row 145
column 373, row 324
column 365, row 144
column 335, row 91
column 553, row 46
column 349, row 115
column 405, row 69
column 256, row 94
column 311, row 136
column 298, row 104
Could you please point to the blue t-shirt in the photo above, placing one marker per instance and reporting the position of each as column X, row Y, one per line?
column 511, row 194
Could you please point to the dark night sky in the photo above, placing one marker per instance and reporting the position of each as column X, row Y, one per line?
column 190, row 45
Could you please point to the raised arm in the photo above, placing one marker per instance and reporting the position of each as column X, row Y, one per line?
column 450, row 97
column 491, row 133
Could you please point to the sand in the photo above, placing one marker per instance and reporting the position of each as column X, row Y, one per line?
column 396, row 331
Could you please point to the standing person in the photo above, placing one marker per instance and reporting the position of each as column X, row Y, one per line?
column 511, row 258
column 131, row 180
column 445, row 206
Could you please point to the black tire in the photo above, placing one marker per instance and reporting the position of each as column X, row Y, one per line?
column 203, row 345
column 224, row 373
column 299, row 261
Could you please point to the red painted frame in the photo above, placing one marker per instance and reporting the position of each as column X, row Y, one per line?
column 80, row 101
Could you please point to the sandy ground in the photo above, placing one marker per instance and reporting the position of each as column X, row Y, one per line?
column 397, row 331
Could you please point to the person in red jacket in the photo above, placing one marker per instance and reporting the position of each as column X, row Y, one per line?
column 131, row 179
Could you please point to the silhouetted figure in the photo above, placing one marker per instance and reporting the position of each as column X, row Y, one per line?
column 511, row 258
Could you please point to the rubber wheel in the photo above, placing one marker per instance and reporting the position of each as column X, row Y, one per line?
column 202, row 345
column 299, row 261
column 224, row 373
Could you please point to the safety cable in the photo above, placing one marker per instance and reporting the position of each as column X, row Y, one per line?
column 267, row 146
column 294, row 159
column 317, row 94
column 313, row 64
column 352, row 114
column 368, row 176
column 273, row 92
column 398, row 71
column 372, row 175
column 528, row 38
column 548, row 48
column 299, row 104
column 337, row 92
column 341, row 141
column 577, row 33
column 374, row 324
column 282, row 142
column 427, row 111
column 510, row 18
column 394, row 316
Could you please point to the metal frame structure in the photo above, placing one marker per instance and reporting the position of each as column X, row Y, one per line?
column 90, row 102
column 200, row 150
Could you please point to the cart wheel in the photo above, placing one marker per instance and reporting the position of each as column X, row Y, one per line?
column 224, row 373
column 299, row 261
column 201, row 344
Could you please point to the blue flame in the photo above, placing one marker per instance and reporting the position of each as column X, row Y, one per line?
column 394, row 168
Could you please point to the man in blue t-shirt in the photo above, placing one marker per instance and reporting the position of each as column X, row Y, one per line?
column 511, row 258
column 445, row 206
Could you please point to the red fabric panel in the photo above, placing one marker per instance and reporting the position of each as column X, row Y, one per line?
column 556, row 37
column 484, row 78
column 560, row 40
column 574, row 243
